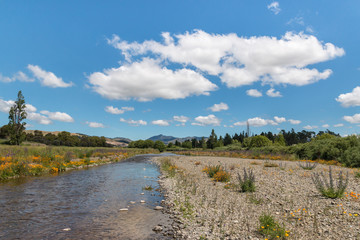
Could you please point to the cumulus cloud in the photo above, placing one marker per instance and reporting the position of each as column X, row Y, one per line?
column 219, row 107
column 181, row 119
column 352, row 119
column 115, row 110
column 6, row 105
column 147, row 80
column 325, row 125
column 294, row 122
column 308, row 127
column 95, row 125
column 160, row 122
column 257, row 122
column 350, row 99
column 253, row 93
column 272, row 93
column 206, row 120
column 339, row 125
column 48, row 79
column 238, row 61
column 279, row 119
column 58, row 116
column 274, row 7
column 39, row 118
column 134, row 123
column 20, row 76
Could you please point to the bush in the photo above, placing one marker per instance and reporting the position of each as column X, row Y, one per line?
column 328, row 189
column 351, row 157
column 212, row 170
column 247, row 183
column 259, row 141
column 222, row 176
column 270, row 228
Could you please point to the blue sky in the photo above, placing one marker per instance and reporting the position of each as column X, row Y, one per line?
column 140, row 68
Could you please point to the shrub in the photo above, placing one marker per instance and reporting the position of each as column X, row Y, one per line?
column 328, row 189
column 168, row 166
column 247, row 183
column 307, row 165
column 270, row 228
column 222, row 176
column 259, row 141
column 212, row 170
column 351, row 157
column 269, row 164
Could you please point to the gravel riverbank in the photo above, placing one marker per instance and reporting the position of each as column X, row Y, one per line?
column 204, row 209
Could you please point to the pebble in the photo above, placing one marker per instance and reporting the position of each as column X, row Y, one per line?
column 124, row 209
column 132, row 202
column 142, row 201
column 158, row 208
column 66, row 229
column 142, row 193
column 157, row 229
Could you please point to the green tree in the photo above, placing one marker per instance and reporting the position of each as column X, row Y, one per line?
column 280, row 140
column 17, row 115
column 227, row 140
column 212, row 141
column 259, row 141
column 159, row 145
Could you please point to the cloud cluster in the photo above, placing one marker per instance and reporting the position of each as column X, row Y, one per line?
column 219, row 107
column 352, row 119
column 134, row 123
column 272, row 93
column 253, row 93
column 160, row 122
column 237, row 60
column 48, row 79
column 308, row 127
column 115, row 110
column 206, row 121
column 260, row 122
column 350, row 99
column 20, row 76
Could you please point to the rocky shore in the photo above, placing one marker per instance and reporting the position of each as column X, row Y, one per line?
column 205, row 209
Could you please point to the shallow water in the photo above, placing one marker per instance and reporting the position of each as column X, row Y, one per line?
column 86, row 201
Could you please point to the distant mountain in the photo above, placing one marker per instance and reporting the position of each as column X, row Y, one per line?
column 168, row 139
column 162, row 138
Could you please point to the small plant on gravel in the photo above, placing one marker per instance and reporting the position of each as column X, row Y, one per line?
column 222, row 176
column 197, row 163
column 328, row 188
column 255, row 163
column 247, row 183
column 168, row 166
column 148, row 188
column 254, row 200
column 270, row 164
column 357, row 174
column 212, row 170
column 271, row 229
column 282, row 165
column 308, row 165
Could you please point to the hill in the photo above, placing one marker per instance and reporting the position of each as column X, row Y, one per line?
column 168, row 139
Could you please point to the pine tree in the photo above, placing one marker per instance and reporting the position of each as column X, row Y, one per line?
column 17, row 114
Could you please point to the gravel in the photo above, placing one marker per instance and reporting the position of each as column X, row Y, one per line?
column 204, row 209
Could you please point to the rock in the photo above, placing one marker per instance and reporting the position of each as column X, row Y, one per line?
column 158, row 208
column 142, row 193
column 124, row 209
column 132, row 202
column 157, row 229
column 142, row 201
column 66, row 229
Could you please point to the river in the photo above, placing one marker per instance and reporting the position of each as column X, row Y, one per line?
column 85, row 204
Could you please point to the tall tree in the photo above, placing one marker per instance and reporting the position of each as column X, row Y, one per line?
column 17, row 115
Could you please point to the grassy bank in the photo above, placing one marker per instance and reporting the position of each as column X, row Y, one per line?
column 17, row 161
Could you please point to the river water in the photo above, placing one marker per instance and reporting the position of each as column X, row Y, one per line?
column 84, row 204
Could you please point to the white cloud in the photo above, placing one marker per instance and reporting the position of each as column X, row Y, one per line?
column 350, row 99
column 271, row 93
column 253, row 93
column 294, row 122
column 181, row 119
column 5, row 79
column 298, row 20
column 219, row 107
column 37, row 117
column 134, row 123
column 22, row 77
column 308, row 127
column 30, row 108
column 279, row 119
column 325, row 125
column 207, row 120
column 256, row 122
column 160, row 122
column 58, row 116
column 352, row 119
column 274, row 7
column 95, row 125
column 48, row 79
column 147, row 80
column 339, row 125
column 115, row 110
column 6, row 105
column 236, row 60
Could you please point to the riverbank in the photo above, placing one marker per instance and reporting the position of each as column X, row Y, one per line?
column 205, row 209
